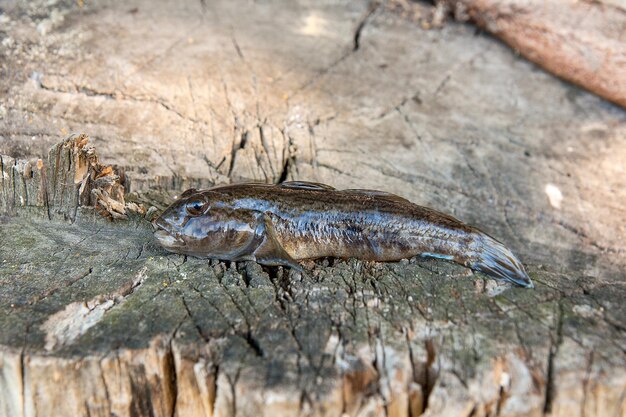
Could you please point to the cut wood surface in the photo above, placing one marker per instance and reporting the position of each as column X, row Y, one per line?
column 96, row 320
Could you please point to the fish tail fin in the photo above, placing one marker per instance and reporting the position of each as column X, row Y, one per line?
column 496, row 260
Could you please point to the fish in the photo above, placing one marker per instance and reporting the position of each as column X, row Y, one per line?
column 282, row 224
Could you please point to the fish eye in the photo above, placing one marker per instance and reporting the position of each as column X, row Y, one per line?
column 196, row 206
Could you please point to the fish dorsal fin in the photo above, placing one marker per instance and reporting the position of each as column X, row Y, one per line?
column 305, row 185
column 227, row 187
column 378, row 194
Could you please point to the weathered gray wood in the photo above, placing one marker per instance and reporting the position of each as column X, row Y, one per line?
column 96, row 320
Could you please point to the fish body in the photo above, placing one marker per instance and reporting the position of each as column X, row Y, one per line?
column 281, row 224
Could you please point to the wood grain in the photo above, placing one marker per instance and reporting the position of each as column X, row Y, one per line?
column 95, row 319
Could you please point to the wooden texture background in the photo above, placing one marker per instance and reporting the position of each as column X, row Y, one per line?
column 96, row 320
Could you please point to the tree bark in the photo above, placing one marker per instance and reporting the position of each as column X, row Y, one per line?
column 583, row 42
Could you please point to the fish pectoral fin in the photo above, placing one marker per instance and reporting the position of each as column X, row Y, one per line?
column 278, row 259
column 306, row 185
column 270, row 251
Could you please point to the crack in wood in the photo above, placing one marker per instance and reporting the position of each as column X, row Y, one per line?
column 170, row 379
column 107, row 395
column 555, row 341
column 356, row 38
column 195, row 324
column 67, row 283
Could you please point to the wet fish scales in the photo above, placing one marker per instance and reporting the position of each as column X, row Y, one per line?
column 281, row 224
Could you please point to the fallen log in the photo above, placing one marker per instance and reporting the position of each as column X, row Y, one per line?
column 580, row 41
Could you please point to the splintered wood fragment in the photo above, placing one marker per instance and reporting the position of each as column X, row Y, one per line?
column 72, row 177
column 579, row 41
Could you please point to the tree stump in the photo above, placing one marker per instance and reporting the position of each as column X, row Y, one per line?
column 97, row 320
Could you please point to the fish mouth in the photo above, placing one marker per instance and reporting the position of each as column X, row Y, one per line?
column 166, row 238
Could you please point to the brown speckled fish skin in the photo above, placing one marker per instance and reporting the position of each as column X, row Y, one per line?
column 281, row 224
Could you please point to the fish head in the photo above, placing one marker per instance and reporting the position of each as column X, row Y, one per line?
column 199, row 224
